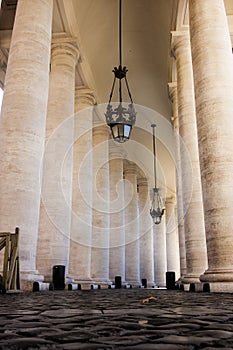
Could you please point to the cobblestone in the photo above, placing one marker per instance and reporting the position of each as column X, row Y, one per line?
column 116, row 319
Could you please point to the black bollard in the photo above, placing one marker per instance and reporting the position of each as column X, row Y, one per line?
column 170, row 280
column 144, row 282
column 117, row 282
column 59, row 277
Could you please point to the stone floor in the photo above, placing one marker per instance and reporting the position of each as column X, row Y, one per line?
column 116, row 319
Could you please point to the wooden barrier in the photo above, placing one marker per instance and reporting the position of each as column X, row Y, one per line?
column 10, row 275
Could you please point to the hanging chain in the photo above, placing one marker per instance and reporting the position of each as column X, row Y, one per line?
column 154, row 152
column 120, row 32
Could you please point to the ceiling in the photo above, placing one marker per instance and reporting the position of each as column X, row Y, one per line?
column 145, row 43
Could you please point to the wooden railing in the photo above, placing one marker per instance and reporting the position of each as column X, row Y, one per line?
column 10, row 275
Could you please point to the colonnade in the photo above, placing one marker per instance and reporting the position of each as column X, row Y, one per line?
column 202, row 109
column 77, row 201
column 63, row 182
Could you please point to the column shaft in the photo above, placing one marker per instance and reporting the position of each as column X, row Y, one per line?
column 196, row 257
column 179, row 196
column 100, row 210
column 145, row 233
column 213, row 77
column 55, row 211
column 132, row 254
column 81, row 223
column 22, row 126
column 172, row 239
column 117, row 230
column 160, row 258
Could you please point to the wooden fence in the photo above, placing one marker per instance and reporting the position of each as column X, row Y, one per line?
column 10, row 275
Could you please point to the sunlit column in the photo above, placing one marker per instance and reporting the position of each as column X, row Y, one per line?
column 145, row 233
column 3, row 67
column 195, row 243
column 55, row 211
column 180, row 215
column 117, row 228
column 81, row 223
column 172, row 238
column 132, row 253
column 160, row 257
column 100, row 210
column 22, row 127
column 213, row 78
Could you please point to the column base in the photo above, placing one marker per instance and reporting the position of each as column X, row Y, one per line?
column 220, row 287
column 135, row 284
column 188, row 279
column 151, row 284
column 217, row 276
column 83, row 280
column 27, row 278
column 193, row 287
column 102, row 281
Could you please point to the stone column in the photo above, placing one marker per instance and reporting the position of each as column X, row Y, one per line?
column 196, row 256
column 145, row 233
column 22, row 127
column 160, row 258
column 100, row 211
column 117, row 228
column 132, row 254
column 213, row 77
column 55, row 211
column 81, row 223
column 172, row 239
column 3, row 67
column 180, row 214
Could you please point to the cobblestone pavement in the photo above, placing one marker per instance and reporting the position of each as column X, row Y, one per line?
column 116, row 319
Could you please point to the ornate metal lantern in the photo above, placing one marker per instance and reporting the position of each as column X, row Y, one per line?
column 157, row 208
column 120, row 119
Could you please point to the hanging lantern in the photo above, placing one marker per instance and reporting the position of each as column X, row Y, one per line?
column 120, row 119
column 157, row 208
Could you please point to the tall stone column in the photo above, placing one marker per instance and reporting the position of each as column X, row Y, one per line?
column 3, row 67
column 117, row 228
column 22, row 127
column 81, row 223
column 145, row 233
column 213, row 78
column 132, row 253
column 180, row 214
column 196, row 256
column 172, row 238
column 55, row 211
column 100, row 211
column 160, row 256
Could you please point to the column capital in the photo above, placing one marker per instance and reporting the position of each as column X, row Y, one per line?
column 179, row 39
column 142, row 182
column 85, row 96
column 170, row 200
column 101, row 130
column 67, row 48
column 172, row 92
column 116, row 150
column 3, row 58
column 130, row 168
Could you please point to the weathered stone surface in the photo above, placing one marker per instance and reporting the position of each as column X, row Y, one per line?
column 86, row 320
